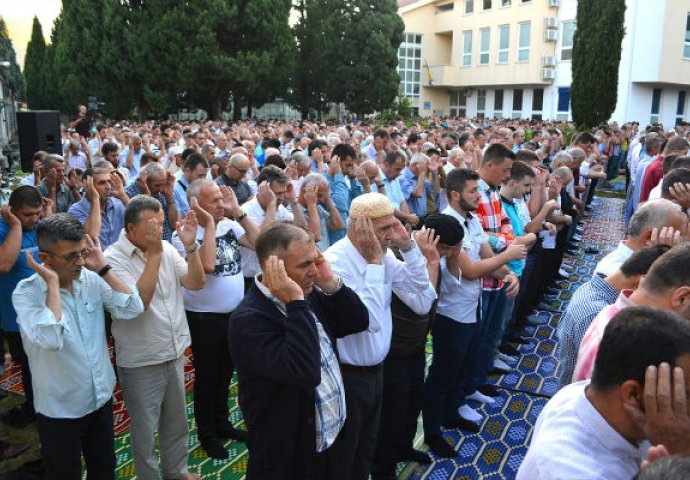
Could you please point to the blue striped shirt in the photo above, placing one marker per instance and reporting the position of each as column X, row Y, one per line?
column 588, row 300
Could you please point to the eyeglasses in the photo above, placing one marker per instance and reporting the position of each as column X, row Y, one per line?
column 242, row 171
column 70, row 257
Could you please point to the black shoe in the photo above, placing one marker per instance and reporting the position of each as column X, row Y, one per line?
column 509, row 350
column 214, row 449
column 488, row 390
column 522, row 332
column 517, row 339
column 591, row 250
column 552, row 291
column 440, row 447
column 228, row 431
column 462, row 424
column 417, row 456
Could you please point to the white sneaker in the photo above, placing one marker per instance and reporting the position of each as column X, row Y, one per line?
column 501, row 366
column 477, row 396
column 577, row 238
column 507, row 359
column 563, row 272
column 469, row 413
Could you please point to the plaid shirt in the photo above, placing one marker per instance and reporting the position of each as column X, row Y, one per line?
column 133, row 190
column 329, row 395
column 496, row 225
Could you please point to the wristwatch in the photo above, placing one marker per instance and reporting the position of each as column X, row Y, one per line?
column 103, row 271
column 194, row 248
column 241, row 217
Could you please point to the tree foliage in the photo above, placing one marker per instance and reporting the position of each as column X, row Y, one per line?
column 34, row 68
column 7, row 53
column 596, row 57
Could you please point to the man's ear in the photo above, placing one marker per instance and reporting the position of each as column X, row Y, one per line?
column 680, row 298
column 632, row 393
column 43, row 256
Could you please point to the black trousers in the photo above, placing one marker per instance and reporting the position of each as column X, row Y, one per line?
column 63, row 440
column 14, row 343
column 353, row 451
column 213, row 369
column 403, row 387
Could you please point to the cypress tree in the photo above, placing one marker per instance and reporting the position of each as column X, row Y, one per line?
column 596, row 57
column 34, row 68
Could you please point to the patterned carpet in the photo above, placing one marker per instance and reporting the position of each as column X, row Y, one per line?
column 494, row 453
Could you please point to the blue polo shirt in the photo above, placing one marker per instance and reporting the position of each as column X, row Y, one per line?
column 20, row 270
column 511, row 210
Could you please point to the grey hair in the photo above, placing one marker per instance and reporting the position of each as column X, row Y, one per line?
column 237, row 158
column 577, row 152
column 136, row 136
column 314, row 179
column 195, row 187
column 206, row 148
column 300, row 158
column 673, row 467
column 102, row 164
column 562, row 172
column 276, row 239
column 652, row 214
column 418, row 157
column 153, row 169
column 562, row 157
column 56, row 228
column 139, row 204
column 50, row 158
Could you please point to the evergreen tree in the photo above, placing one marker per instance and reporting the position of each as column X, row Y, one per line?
column 368, row 34
column 596, row 57
column 34, row 68
column 51, row 92
column 7, row 53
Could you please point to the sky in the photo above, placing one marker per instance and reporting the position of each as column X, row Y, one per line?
column 19, row 15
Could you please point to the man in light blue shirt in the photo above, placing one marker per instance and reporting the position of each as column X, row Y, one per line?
column 60, row 315
column 390, row 170
column 195, row 167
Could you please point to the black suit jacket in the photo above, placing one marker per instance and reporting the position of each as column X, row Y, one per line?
column 278, row 366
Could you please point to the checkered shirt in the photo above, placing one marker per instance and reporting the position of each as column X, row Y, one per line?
column 496, row 225
column 134, row 190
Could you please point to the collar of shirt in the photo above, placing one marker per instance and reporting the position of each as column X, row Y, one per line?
column 453, row 213
column 485, row 187
column 623, row 300
column 606, row 434
column 128, row 247
column 357, row 259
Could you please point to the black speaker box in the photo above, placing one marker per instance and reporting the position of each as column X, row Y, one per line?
column 38, row 130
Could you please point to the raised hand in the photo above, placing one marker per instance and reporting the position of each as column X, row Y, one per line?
column 47, row 208
column 665, row 236
column 681, row 194
column 311, row 196
column 276, row 279
column 141, row 182
column 204, row 218
column 230, row 204
column 334, row 166
column 10, row 218
column 94, row 259
column 91, row 193
column 326, row 280
column 118, row 186
column 46, row 273
column 154, row 237
column 169, row 185
column 365, row 241
column 427, row 240
column 186, row 229
column 401, row 238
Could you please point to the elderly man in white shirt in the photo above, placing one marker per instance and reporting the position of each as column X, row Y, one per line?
column 364, row 263
column 598, row 430
column 60, row 315
column 150, row 349
column 643, row 229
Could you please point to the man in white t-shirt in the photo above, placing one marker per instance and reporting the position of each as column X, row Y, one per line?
column 208, row 310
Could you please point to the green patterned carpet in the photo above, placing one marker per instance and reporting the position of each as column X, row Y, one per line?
column 494, row 453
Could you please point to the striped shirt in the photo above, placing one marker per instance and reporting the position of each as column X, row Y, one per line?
column 587, row 301
column 495, row 223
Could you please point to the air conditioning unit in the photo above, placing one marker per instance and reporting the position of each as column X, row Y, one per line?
column 554, row 3
column 550, row 35
column 551, row 22
column 549, row 61
column 548, row 73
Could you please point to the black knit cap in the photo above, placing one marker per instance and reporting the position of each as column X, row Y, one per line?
column 446, row 227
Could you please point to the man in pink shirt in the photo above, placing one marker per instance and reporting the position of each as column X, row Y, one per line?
column 667, row 286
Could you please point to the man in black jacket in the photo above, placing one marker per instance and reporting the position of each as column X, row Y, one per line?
column 282, row 339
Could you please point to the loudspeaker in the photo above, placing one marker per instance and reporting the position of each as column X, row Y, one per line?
column 38, row 130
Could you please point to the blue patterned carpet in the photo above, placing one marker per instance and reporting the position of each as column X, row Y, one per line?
column 498, row 449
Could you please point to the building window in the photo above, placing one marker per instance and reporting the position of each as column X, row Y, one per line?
column 410, row 64
column 506, row 3
column 467, row 48
column 469, row 6
column 445, row 8
column 686, row 47
column 567, row 34
column 481, row 103
column 537, row 103
column 458, row 103
column 498, row 103
column 517, row 103
column 484, row 46
column 503, row 42
column 486, row 4
column 656, row 105
column 523, row 45
column 680, row 108
column 563, row 103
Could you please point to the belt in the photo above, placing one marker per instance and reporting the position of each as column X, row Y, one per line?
column 361, row 369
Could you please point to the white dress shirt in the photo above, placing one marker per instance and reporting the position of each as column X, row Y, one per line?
column 572, row 441
column 250, row 264
column 374, row 284
column 613, row 261
column 70, row 361
column 161, row 333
